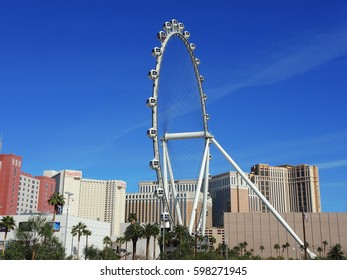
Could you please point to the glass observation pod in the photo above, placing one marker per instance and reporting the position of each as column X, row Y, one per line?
column 186, row 34
column 153, row 74
column 174, row 22
column 202, row 78
column 159, row 193
column 165, row 217
column 151, row 133
column 167, row 26
column 161, row 36
column 197, row 61
column 154, row 164
column 181, row 26
column 156, row 52
column 205, row 97
column 207, row 116
column 151, row 102
column 192, row 46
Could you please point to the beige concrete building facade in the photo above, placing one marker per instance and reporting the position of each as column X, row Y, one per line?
column 103, row 200
column 288, row 188
column 100, row 200
column 148, row 208
column 263, row 229
column 229, row 193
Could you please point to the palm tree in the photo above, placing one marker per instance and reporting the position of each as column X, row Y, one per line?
column 56, row 200
column 335, row 253
column 132, row 218
column 277, row 247
column 107, row 241
column 78, row 230
column 134, row 232
column 149, row 230
column 8, row 224
column 242, row 246
column 320, row 250
column 86, row 233
column 261, row 248
column 325, row 243
column 245, row 245
column 155, row 234
column 287, row 247
column 212, row 240
column 119, row 242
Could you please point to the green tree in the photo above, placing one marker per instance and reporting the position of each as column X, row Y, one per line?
column 155, row 234
column 92, row 253
column 107, row 241
column 211, row 241
column 287, row 248
column 134, row 232
column 335, row 253
column 242, row 247
column 56, row 200
column 87, row 233
column 325, row 243
column 320, row 250
column 261, row 248
column 132, row 218
column 277, row 247
column 78, row 230
column 148, row 231
column 34, row 240
column 7, row 223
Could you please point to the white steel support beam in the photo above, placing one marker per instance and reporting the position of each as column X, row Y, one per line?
column 186, row 135
column 166, row 191
column 174, row 191
column 198, row 188
column 206, row 181
column 260, row 195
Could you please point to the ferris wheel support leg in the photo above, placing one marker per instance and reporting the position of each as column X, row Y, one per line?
column 260, row 195
column 206, row 181
column 166, row 188
column 198, row 188
column 174, row 191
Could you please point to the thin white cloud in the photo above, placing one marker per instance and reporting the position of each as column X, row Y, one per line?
column 320, row 49
column 332, row 164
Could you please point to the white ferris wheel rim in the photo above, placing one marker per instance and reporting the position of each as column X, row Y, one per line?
column 172, row 29
column 175, row 31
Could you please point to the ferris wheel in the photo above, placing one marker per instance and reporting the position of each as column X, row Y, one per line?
column 181, row 140
column 179, row 121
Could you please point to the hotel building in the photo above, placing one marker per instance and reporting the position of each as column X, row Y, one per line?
column 100, row 200
column 20, row 192
column 287, row 188
column 148, row 208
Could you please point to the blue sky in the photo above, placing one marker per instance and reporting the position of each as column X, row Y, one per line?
column 73, row 84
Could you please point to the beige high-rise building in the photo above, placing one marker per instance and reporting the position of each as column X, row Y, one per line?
column 148, row 208
column 288, row 189
column 229, row 193
column 101, row 200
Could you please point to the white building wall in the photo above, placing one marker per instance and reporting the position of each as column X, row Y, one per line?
column 28, row 194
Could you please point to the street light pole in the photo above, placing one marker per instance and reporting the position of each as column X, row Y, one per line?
column 304, row 232
column 67, row 216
